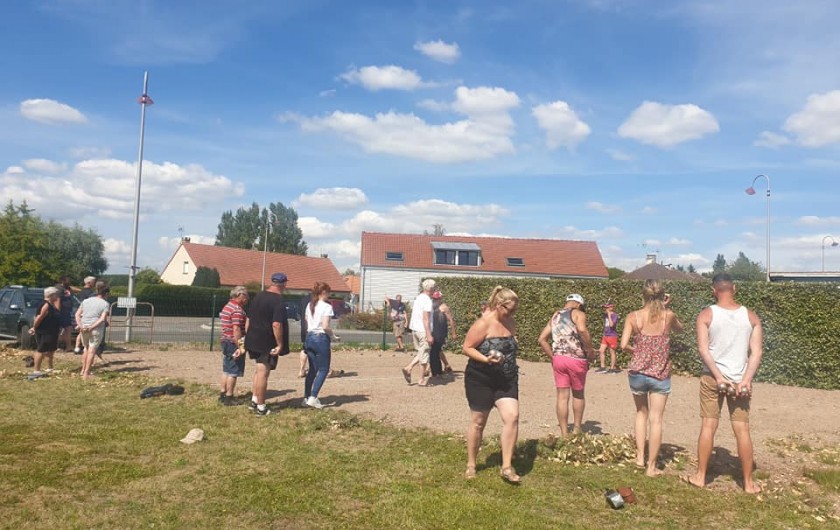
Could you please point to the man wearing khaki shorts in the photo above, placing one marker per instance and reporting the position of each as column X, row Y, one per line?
column 729, row 339
column 421, row 332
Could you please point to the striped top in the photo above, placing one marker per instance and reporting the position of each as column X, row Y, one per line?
column 232, row 315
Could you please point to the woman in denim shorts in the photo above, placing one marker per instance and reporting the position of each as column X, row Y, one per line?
column 650, row 367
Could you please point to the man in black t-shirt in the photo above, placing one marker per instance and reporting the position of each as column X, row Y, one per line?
column 267, row 336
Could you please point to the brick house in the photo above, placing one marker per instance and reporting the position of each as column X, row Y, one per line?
column 396, row 263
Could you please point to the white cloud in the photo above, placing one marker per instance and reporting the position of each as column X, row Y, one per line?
column 116, row 246
column 697, row 260
column 389, row 77
column 417, row 216
column 333, row 199
column 41, row 165
column 327, row 93
column 818, row 124
column 561, row 124
column 667, row 125
column 171, row 243
column 50, row 111
column 434, row 105
column 485, row 132
column 651, row 243
column 83, row 153
column 619, row 155
column 339, row 251
column 312, row 228
column 573, row 232
column 648, row 210
column 106, row 188
column 603, row 208
column 771, row 140
column 676, row 241
column 439, row 51
column 813, row 220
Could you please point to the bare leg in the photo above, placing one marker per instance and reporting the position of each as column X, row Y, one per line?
column 303, row 358
column 49, row 357
column 509, row 411
column 563, row 409
column 424, row 380
column 39, row 357
column 642, row 411
column 444, row 361
column 260, row 383
column 87, row 360
column 601, row 352
column 578, row 404
column 612, row 358
column 745, row 454
column 705, row 443
column 657, row 411
column 478, row 419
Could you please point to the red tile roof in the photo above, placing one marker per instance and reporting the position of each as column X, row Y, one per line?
column 657, row 271
column 354, row 282
column 552, row 257
column 238, row 266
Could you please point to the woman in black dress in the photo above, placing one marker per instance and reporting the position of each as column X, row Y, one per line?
column 491, row 378
column 46, row 328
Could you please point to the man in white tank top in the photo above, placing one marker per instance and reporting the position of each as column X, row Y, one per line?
column 729, row 339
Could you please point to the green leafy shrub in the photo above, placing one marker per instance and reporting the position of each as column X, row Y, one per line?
column 799, row 319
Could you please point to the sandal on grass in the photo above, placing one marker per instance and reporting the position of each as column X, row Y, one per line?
column 469, row 474
column 509, row 475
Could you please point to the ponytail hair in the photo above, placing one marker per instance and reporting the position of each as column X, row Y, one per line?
column 317, row 289
column 653, row 293
column 501, row 295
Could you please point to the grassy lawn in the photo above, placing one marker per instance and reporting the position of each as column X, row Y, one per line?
column 77, row 454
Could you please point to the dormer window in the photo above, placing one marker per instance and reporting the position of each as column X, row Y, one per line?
column 393, row 256
column 515, row 262
column 459, row 254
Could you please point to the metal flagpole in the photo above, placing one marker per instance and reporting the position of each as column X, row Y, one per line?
column 132, row 273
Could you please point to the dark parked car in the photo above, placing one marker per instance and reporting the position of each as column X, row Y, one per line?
column 18, row 307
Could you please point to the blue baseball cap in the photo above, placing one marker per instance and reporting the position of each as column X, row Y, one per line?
column 279, row 277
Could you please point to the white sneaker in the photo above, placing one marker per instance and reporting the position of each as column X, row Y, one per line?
column 314, row 402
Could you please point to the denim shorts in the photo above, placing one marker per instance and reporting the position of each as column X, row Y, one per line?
column 232, row 367
column 641, row 384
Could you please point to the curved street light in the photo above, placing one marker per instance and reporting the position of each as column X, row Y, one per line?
column 834, row 243
column 751, row 191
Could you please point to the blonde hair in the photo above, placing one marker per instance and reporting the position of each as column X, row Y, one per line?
column 317, row 290
column 501, row 295
column 653, row 293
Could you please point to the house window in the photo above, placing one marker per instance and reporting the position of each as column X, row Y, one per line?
column 394, row 256
column 515, row 262
column 186, row 269
column 464, row 258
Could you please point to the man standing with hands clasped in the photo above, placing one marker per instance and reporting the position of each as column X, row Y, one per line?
column 267, row 337
column 729, row 339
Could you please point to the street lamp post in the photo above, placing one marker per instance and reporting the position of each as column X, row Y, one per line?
column 751, row 191
column 265, row 248
column 834, row 243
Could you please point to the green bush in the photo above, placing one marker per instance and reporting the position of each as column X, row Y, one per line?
column 182, row 300
column 798, row 319
column 366, row 321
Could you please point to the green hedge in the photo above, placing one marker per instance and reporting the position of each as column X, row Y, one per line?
column 800, row 321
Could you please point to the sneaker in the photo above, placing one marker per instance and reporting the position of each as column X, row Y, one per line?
column 222, row 398
column 314, row 402
column 77, row 351
column 229, row 401
column 601, row 371
column 252, row 405
column 264, row 412
column 615, row 370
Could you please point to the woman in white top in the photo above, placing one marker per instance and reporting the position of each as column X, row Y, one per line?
column 317, row 345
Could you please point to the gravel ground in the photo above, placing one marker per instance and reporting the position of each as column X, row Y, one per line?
column 372, row 386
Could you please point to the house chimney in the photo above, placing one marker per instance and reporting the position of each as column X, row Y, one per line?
column 324, row 255
column 650, row 258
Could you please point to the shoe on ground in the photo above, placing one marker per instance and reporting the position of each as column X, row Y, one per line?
column 229, row 401
column 601, row 371
column 77, row 351
column 264, row 412
column 252, row 405
column 314, row 402
column 615, row 371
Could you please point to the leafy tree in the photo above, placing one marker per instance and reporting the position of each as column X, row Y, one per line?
column 22, row 244
column 349, row 272
column 615, row 272
column 247, row 229
column 206, row 277
column 745, row 269
column 148, row 275
column 76, row 252
column 691, row 269
column 680, row 268
column 719, row 264
column 437, row 230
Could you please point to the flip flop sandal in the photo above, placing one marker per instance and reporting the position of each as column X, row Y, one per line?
column 509, row 475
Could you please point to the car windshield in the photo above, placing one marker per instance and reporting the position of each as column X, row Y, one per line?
column 33, row 297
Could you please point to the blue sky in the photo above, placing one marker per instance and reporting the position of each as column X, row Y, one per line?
column 636, row 124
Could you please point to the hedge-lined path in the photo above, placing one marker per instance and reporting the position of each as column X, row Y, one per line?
column 372, row 386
